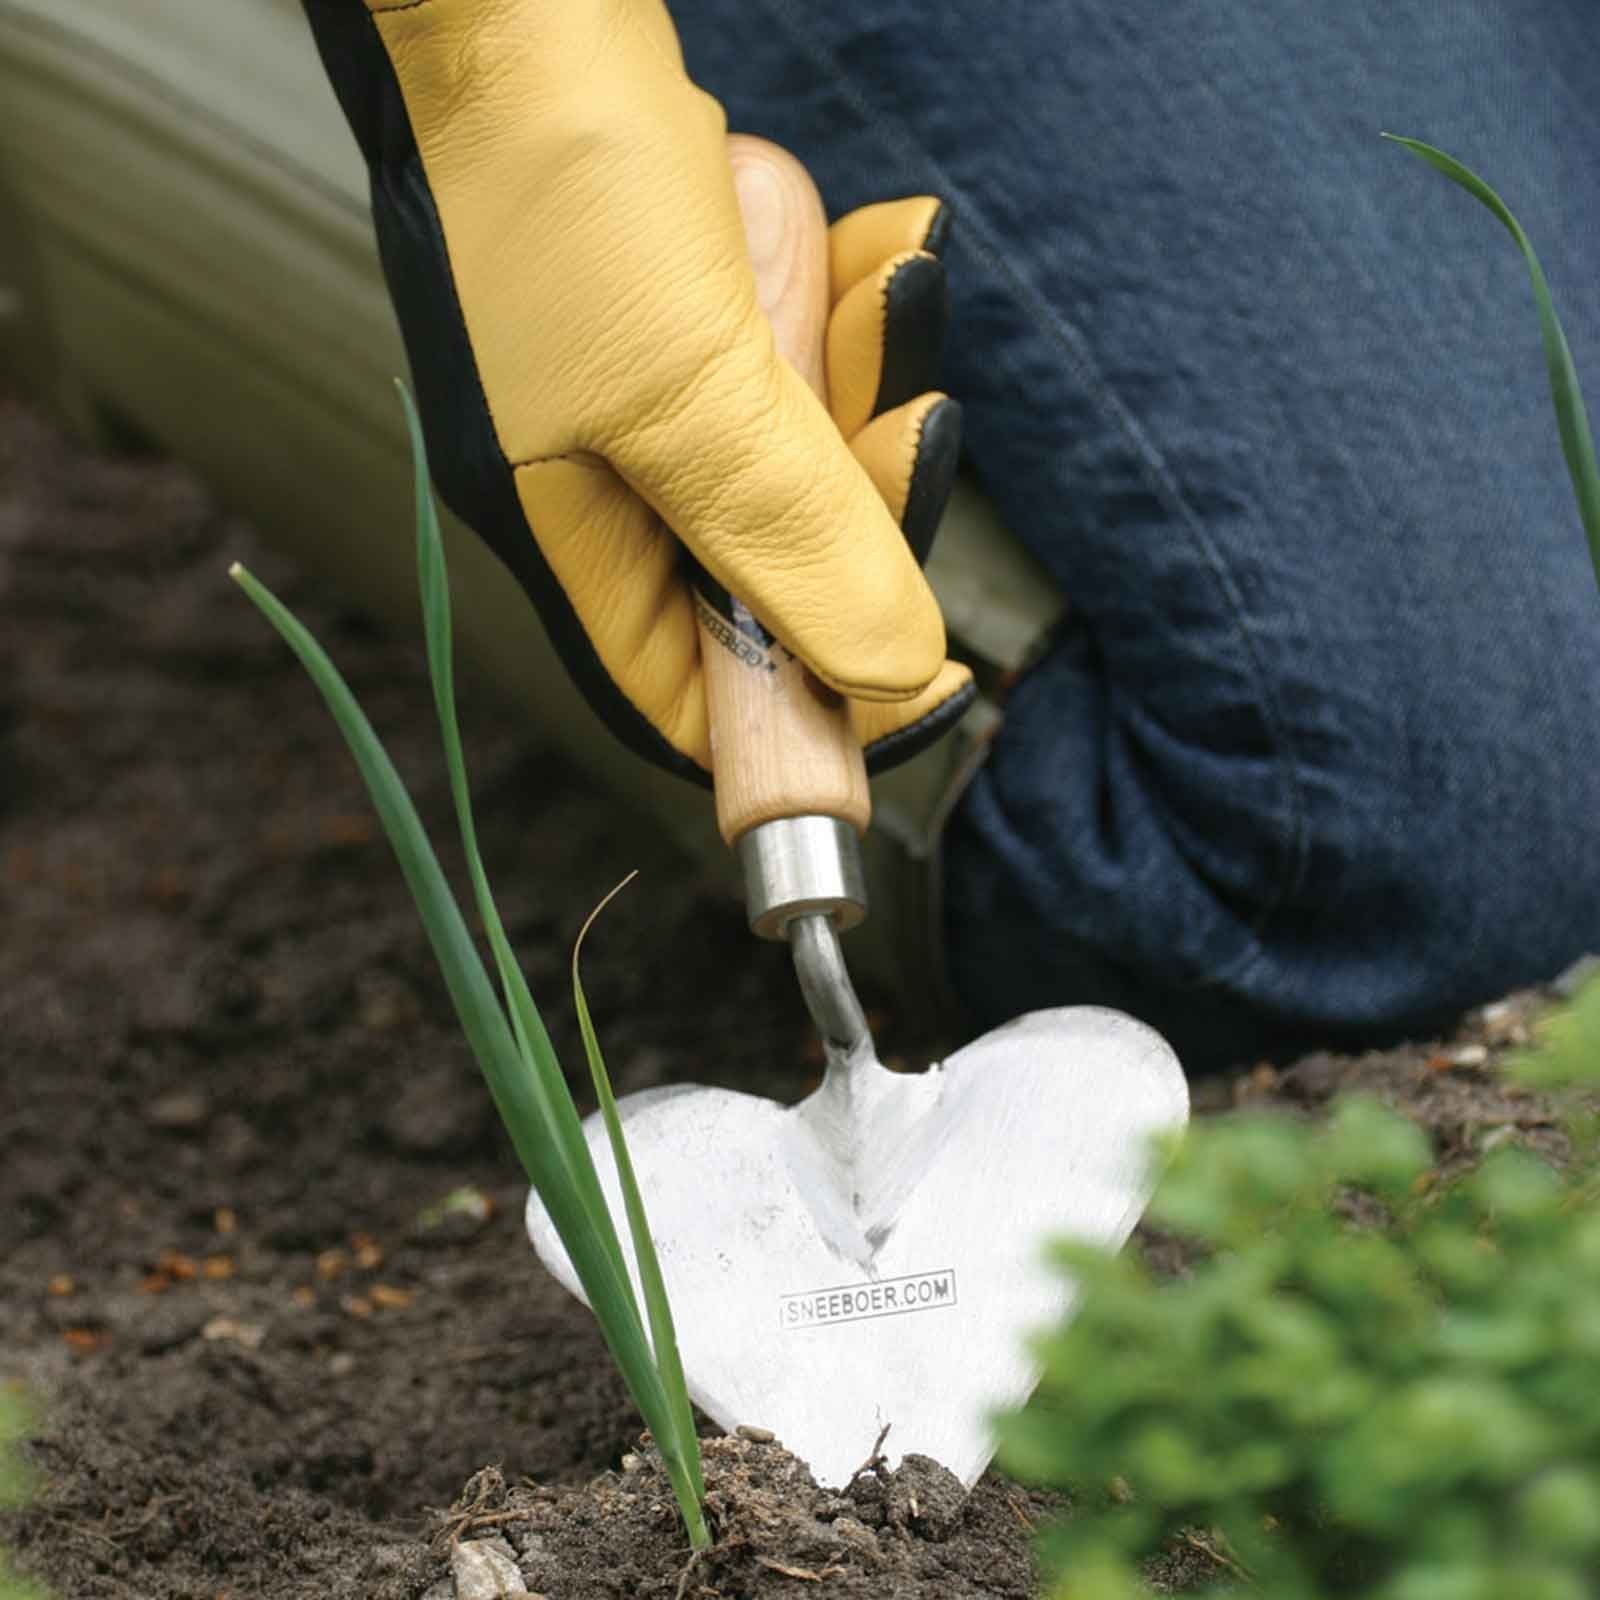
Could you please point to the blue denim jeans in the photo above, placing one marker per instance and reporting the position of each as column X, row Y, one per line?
column 1317, row 754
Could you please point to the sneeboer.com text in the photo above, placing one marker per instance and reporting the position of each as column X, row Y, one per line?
column 888, row 1297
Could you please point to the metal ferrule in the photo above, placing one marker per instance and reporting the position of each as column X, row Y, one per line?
column 802, row 866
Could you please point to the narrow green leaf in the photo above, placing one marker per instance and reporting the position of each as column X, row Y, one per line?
column 667, row 1411
column 556, row 1110
column 510, row 1082
column 1572, row 420
column 663, row 1334
column 672, row 1424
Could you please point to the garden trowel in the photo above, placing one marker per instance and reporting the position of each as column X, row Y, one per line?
column 870, row 1258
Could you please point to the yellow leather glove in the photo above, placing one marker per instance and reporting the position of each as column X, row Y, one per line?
column 558, row 225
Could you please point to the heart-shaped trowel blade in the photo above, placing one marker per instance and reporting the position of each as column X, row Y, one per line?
column 872, row 1255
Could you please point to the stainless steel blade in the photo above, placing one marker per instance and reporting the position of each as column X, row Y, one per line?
column 872, row 1255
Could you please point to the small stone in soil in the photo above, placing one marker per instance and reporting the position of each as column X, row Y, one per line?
column 483, row 1572
column 182, row 1109
column 248, row 1334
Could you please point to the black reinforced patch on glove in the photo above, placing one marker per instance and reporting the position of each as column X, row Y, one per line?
column 932, row 476
column 915, row 737
column 916, row 319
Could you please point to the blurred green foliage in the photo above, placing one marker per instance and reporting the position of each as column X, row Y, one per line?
column 1370, row 1384
column 16, row 1483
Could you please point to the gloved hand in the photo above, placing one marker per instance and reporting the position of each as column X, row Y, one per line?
column 559, row 229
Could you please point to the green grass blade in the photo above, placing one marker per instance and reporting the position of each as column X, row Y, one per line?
column 17, row 1483
column 1572, row 420
column 557, row 1111
column 663, row 1334
column 667, row 1412
column 510, row 1082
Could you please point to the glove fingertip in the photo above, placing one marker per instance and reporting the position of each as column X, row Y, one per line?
column 916, row 316
column 862, row 240
column 905, row 739
column 876, row 648
column 938, row 456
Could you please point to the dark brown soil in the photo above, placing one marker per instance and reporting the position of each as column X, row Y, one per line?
column 910, row 1532
column 234, row 1096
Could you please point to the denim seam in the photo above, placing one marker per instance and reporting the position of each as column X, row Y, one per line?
column 971, row 220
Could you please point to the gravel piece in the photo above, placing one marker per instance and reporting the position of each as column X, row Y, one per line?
column 481, row 1572
column 180, row 1110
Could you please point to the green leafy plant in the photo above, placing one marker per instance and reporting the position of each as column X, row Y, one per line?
column 1566, row 1054
column 1363, row 1388
column 16, row 1483
column 509, row 1040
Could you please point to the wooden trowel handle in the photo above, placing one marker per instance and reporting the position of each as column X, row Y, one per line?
column 781, row 742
